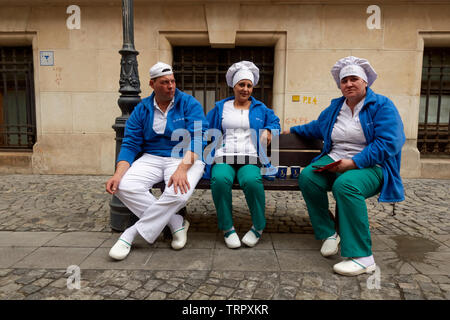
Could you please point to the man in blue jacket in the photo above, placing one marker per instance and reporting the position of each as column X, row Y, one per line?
column 167, row 127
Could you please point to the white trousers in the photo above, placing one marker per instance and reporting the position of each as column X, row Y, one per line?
column 154, row 214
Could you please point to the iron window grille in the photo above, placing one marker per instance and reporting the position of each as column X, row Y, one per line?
column 200, row 71
column 17, row 104
column 434, row 125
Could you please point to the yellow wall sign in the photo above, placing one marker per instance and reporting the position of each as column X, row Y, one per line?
column 304, row 99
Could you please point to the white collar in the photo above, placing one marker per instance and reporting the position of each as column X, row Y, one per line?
column 168, row 108
column 358, row 106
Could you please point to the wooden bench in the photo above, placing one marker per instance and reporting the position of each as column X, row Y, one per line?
column 293, row 151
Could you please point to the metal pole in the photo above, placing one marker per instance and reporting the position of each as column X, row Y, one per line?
column 120, row 216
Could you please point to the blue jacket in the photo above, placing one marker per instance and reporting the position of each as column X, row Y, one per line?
column 383, row 130
column 186, row 113
column 260, row 117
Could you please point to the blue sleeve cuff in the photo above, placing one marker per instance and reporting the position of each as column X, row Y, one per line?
column 358, row 161
column 294, row 129
column 126, row 155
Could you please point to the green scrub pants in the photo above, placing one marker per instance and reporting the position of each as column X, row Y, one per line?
column 350, row 190
column 250, row 180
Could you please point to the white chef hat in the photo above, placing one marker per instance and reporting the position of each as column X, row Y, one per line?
column 243, row 70
column 160, row 69
column 353, row 66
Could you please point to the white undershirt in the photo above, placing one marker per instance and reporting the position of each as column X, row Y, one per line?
column 347, row 136
column 160, row 117
column 236, row 128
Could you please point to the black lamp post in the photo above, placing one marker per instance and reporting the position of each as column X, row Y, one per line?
column 120, row 216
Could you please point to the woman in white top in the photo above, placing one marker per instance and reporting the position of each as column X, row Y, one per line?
column 364, row 131
column 244, row 123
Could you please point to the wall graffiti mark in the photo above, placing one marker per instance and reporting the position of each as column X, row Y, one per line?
column 295, row 121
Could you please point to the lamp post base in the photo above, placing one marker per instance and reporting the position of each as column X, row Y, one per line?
column 120, row 217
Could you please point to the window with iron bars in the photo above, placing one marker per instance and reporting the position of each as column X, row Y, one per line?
column 200, row 71
column 17, row 104
column 434, row 125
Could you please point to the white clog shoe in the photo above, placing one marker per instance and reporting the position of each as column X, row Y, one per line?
column 120, row 250
column 232, row 239
column 330, row 246
column 251, row 238
column 179, row 237
column 352, row 267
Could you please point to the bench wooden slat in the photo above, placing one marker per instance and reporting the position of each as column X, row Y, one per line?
column 293, row 151
column 289, row 158
column 291, row 141
column 296, row 151
column 277, row 184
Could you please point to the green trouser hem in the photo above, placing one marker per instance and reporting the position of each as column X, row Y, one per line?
column 350, row 190
column 250, row 180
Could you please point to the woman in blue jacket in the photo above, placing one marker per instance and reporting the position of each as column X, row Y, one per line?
column 242, row 124
column 363, row 130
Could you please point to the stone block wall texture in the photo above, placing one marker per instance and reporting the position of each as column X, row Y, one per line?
column 76, row 99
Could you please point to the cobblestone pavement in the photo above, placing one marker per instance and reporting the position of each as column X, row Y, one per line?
column 79, row 203
column 38, row 284
column 46, row 218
